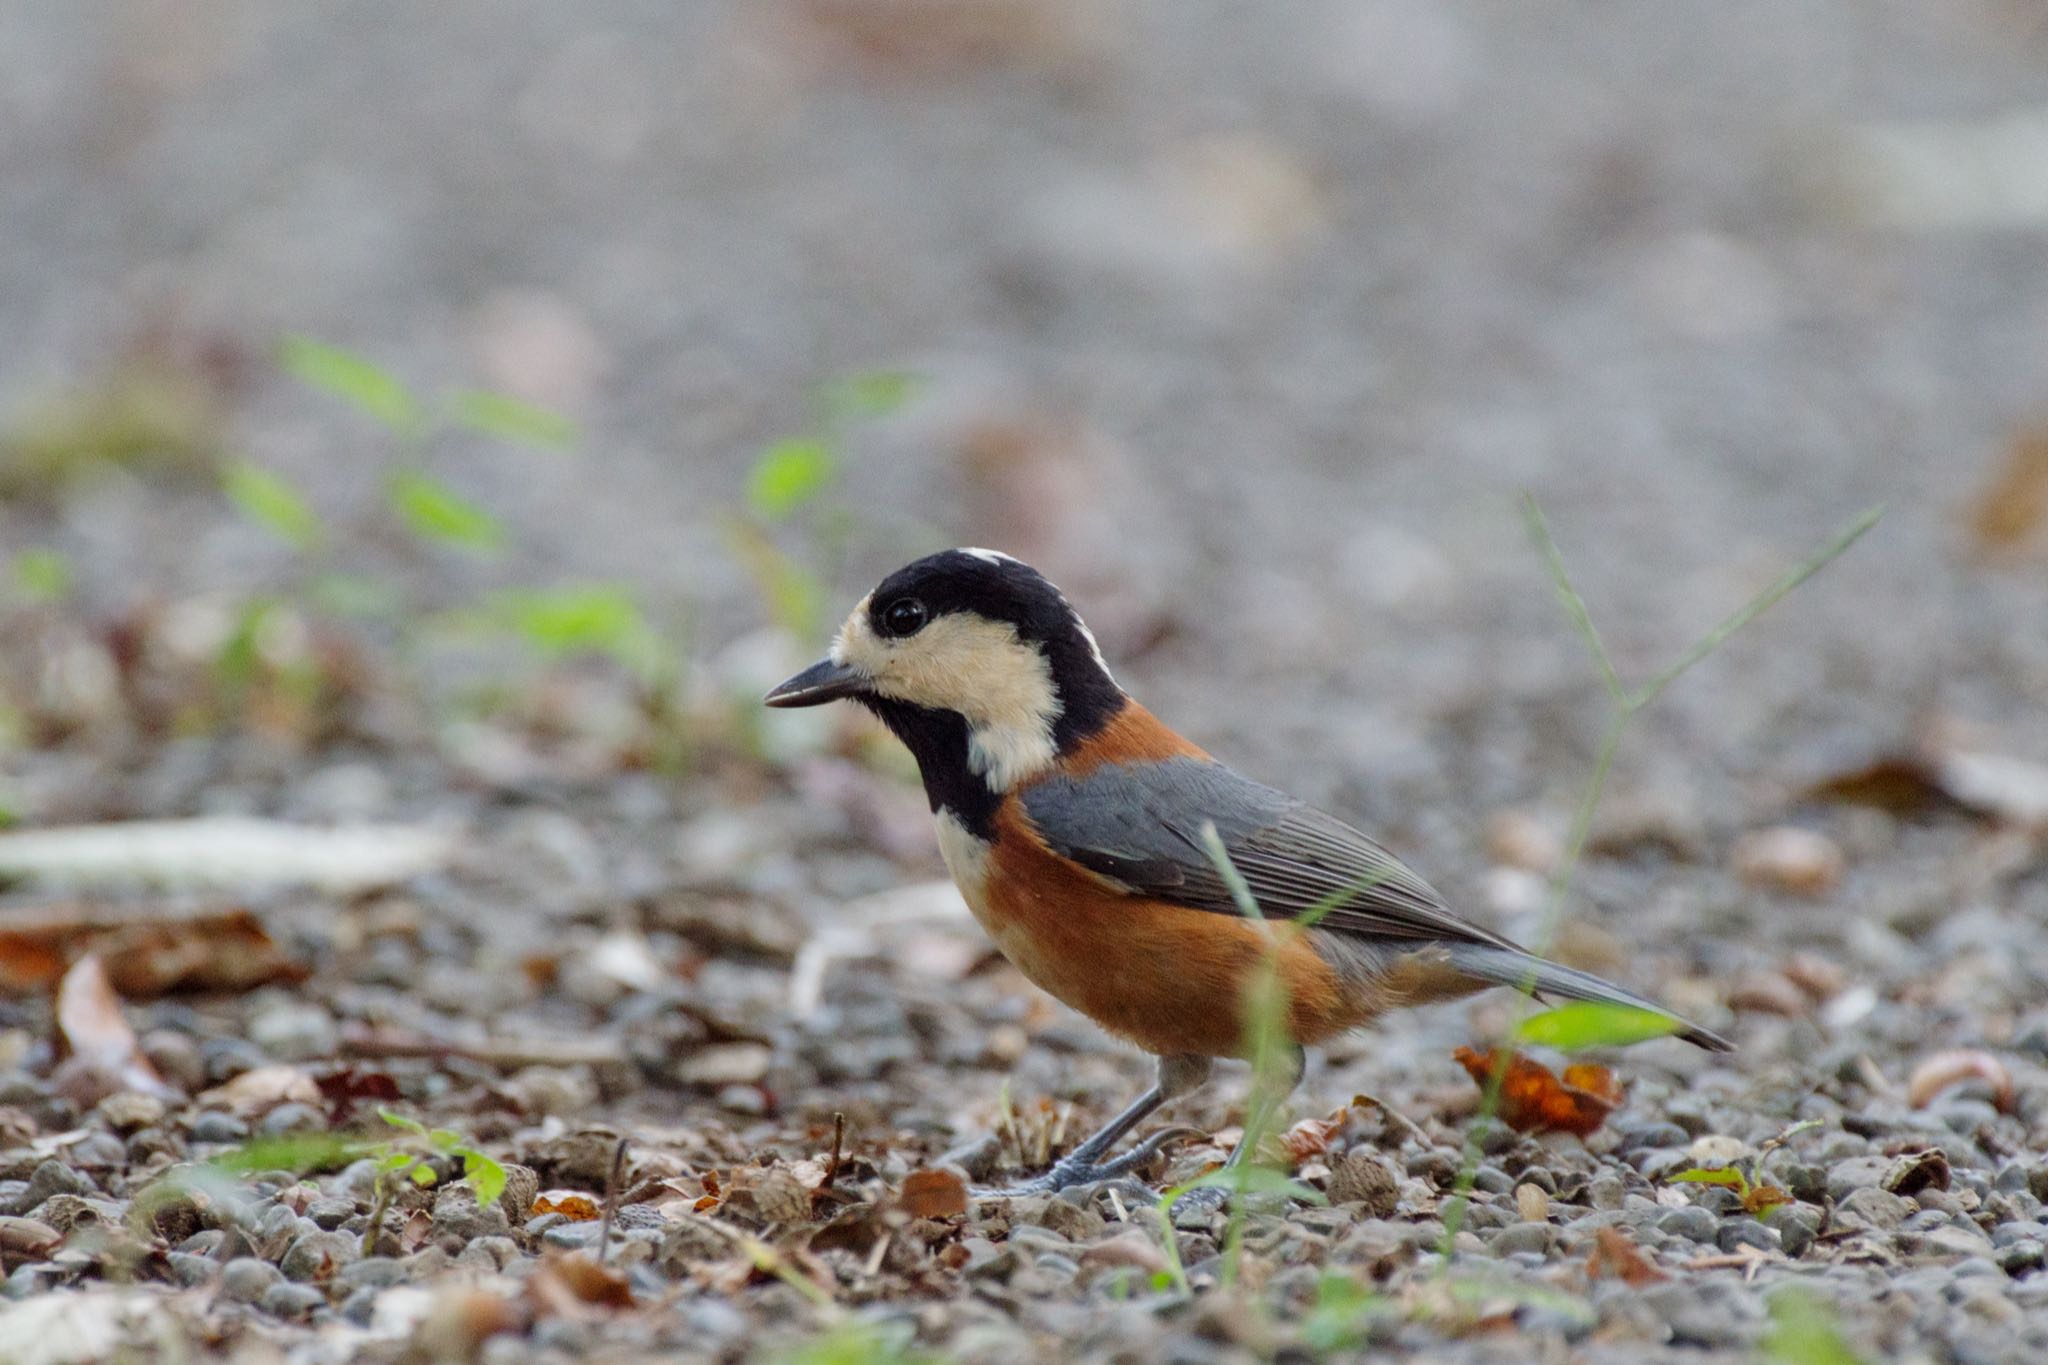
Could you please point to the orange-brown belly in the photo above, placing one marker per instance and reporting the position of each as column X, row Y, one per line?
column 1168, row 978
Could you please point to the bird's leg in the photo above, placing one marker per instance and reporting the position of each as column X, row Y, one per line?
column 1179, row 1075
column 1197, row 1204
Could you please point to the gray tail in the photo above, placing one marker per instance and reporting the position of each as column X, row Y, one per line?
column 1507, row 967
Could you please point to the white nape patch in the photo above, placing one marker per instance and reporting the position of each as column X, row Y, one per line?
column 989, row 556
column 999, row 684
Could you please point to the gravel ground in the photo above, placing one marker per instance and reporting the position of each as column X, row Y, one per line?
column 1247, row 324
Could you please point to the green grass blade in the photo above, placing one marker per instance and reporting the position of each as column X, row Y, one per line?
column 1233, row 880
column 1568, row 597
column 1757, row 606
column 353, row 379
column 270, row 502
column 511, row 419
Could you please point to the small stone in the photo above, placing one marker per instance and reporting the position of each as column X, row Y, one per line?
column 2022, row 1256
column 293, row 1117
column 1745, row 1232
column 1691, row 1222
column 129, row 1110
column 330, row 1213
column 1648, row 1136
column 1787, row 858
column 1532, row 1204
column 293, row 1302
column 247, row 1279
column 723, row 1064
column 1854, row 1173
column 293, row 1030
column 456, row 1213
column 1517, row 1238
column 1606, row 1192
column 319, row 1255
column 212, row 1125
column 373, row 1272
column 1796, row 1226
column 1072, row 1221
column 189, row 1270
column 50, row 1178
column 1870, row 1209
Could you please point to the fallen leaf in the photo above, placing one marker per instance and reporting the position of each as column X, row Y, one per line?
column 1616, row 1256
column 1534, row 1099
column 1917, row 1171
column 1945, row 1069
column 573, row 1205
column 261, row 1089
column 2011, row 791
column 90, row 1019
column 934, row 1194
column 461, row 1320
column 1312, row 1137
column 148, row 951
column 1761, row 1199
column 25, row 1239
column 345, row 1085
column 2013, row 507
column 573, row 1285
column 419, row 1226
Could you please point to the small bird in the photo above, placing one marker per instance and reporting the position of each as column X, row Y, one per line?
column 1077, row 826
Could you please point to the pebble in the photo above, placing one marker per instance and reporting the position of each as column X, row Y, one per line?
column 373, row 1272
column 292, row 1301
column 1796, row 1226
column 293, row 1117
column 1742, row 1232
column 330, row 1213
column 248, row 1279
column 212, row 1125
column 1535, row 1238
column 317, row 1255
column 1691, row 1222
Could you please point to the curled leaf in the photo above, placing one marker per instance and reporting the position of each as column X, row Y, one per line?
column 1534, row 1099
column 1945, row 1069
column 1616, row 1256
column 934, row 1194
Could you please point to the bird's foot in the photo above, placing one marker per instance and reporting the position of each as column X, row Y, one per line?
column 1193, row 1210
column 1077, row 1169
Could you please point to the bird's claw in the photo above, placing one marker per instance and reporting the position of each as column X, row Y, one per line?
column 1066, row 1173
column 1194, row 1209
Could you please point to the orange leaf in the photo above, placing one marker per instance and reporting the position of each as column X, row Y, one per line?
column 573, row 1285
column 574, row 1205
column 934, row 1194
column 1616, row 1256
column 1533, row 1099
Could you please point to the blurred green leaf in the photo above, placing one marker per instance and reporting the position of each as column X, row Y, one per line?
column 273, row 504
column 434, row 511
column 354, row 380
column 348, row 595
column 42, row 575
column 511, row 419
column 583, row 619
column 423, row 1174
column 1804, row 1332
column 486, row 1176
column 788, row 475
column 875, row 393
column 410, row 1125
column 1343, row 1314
column 1594, row 1023
column 297, row 1153
column 1720, row 1175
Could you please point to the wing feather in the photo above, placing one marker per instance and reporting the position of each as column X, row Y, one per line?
column 1140, row 825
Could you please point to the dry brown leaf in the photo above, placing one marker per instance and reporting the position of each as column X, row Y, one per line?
column 1616, row 1256
column 573, row 1205
column 573, row 1285
column 461, row 1321
column 147, row 952
column 1945, row 1069
column 1312, row 1137
column 89, row 1016
column 934, row 1194
column 1534, row 1099
column 261, row 1089
column 419, row 1226
column 2009, row 790
column 25, row 1239
column 2013, row 507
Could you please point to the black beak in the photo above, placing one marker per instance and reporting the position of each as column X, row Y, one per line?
column 823, row 681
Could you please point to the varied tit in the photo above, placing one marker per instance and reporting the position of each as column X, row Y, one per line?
column 1074, row 823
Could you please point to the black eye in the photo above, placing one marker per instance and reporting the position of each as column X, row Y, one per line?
column 905, row 616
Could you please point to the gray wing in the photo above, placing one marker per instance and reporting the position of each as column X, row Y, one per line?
column 1140, row 824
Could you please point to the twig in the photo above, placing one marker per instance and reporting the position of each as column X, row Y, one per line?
column 838, row 1145
column 363, row 1041
column 611, row 1200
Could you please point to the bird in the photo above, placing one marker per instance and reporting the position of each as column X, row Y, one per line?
column 1081, row 831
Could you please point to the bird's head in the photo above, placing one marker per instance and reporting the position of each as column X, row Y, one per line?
column 973, row 643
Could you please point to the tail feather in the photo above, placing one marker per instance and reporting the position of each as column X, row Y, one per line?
column 1507, row 967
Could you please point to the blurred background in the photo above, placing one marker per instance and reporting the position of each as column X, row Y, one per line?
column 581, row 364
